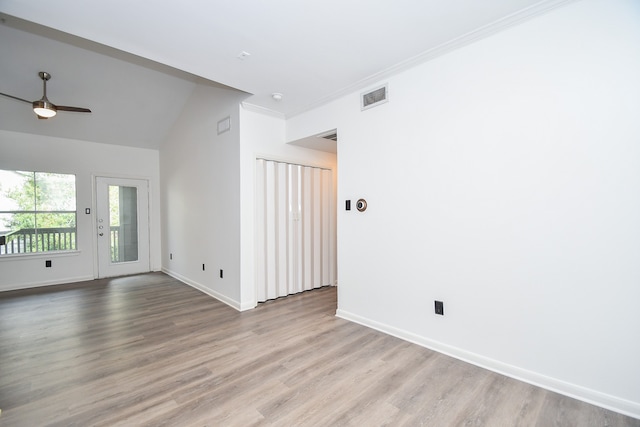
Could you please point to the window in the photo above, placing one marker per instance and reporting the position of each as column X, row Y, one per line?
column 37, row 212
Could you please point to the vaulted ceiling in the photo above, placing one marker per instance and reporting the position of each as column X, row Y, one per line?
column 136, row 63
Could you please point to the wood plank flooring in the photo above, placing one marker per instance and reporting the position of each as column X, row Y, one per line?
column 148, row 350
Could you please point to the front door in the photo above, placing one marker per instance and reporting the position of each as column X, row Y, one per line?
column 122, row 226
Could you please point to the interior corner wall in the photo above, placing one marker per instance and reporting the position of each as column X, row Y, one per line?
column 200, row 187
column 264, row 136
column 20, row 151
column 503, row 179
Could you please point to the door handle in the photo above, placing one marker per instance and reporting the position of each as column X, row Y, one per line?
column 100, row 234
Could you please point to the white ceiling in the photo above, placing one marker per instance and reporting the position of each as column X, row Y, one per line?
column 135, row 63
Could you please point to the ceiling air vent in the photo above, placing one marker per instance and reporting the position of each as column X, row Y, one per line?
column 332, row 136
column 374, row 98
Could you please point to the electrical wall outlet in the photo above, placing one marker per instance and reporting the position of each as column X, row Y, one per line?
column 439, row 305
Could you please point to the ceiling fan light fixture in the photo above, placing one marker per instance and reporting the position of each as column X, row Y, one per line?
column 44, row 108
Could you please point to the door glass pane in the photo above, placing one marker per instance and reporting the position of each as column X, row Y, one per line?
column 123, row 223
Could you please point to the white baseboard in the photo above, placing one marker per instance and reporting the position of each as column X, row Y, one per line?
column 222, row 298
column 594, row 397
column 61, row 281
column 247, row 306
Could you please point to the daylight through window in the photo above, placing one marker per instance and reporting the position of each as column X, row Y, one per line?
column 37, row 212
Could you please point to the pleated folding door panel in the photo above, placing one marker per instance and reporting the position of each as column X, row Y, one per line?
column 260, row 230
column 295, row 230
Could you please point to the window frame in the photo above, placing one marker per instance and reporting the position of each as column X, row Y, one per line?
column 36, row 241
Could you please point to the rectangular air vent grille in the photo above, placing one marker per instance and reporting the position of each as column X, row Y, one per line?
column 374, row 98
column 332, row 136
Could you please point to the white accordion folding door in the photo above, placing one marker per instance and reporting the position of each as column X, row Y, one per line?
column 295, row 229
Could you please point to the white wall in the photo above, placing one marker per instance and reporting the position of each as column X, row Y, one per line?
column 504, row 179
column 208, row 192
column 201, row 195
column 263, row 136
column 19, row 151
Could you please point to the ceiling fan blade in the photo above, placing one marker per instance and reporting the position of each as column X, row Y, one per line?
column 74, row 109
column 15, row 97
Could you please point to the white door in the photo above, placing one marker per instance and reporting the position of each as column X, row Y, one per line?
column 122, row 226
column 295, row 229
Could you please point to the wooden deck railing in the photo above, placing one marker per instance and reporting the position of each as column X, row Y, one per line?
column 30, row 240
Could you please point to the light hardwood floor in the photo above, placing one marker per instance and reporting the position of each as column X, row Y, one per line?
column 149, row 350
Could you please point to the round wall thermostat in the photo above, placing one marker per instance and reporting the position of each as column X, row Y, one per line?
column 361, row 205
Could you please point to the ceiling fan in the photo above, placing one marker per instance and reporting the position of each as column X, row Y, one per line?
column 43, row 107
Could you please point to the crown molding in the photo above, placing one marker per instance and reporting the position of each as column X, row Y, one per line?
column 262, row 110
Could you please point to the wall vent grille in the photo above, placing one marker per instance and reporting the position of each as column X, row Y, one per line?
column 332, row 136
column 374, row 98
